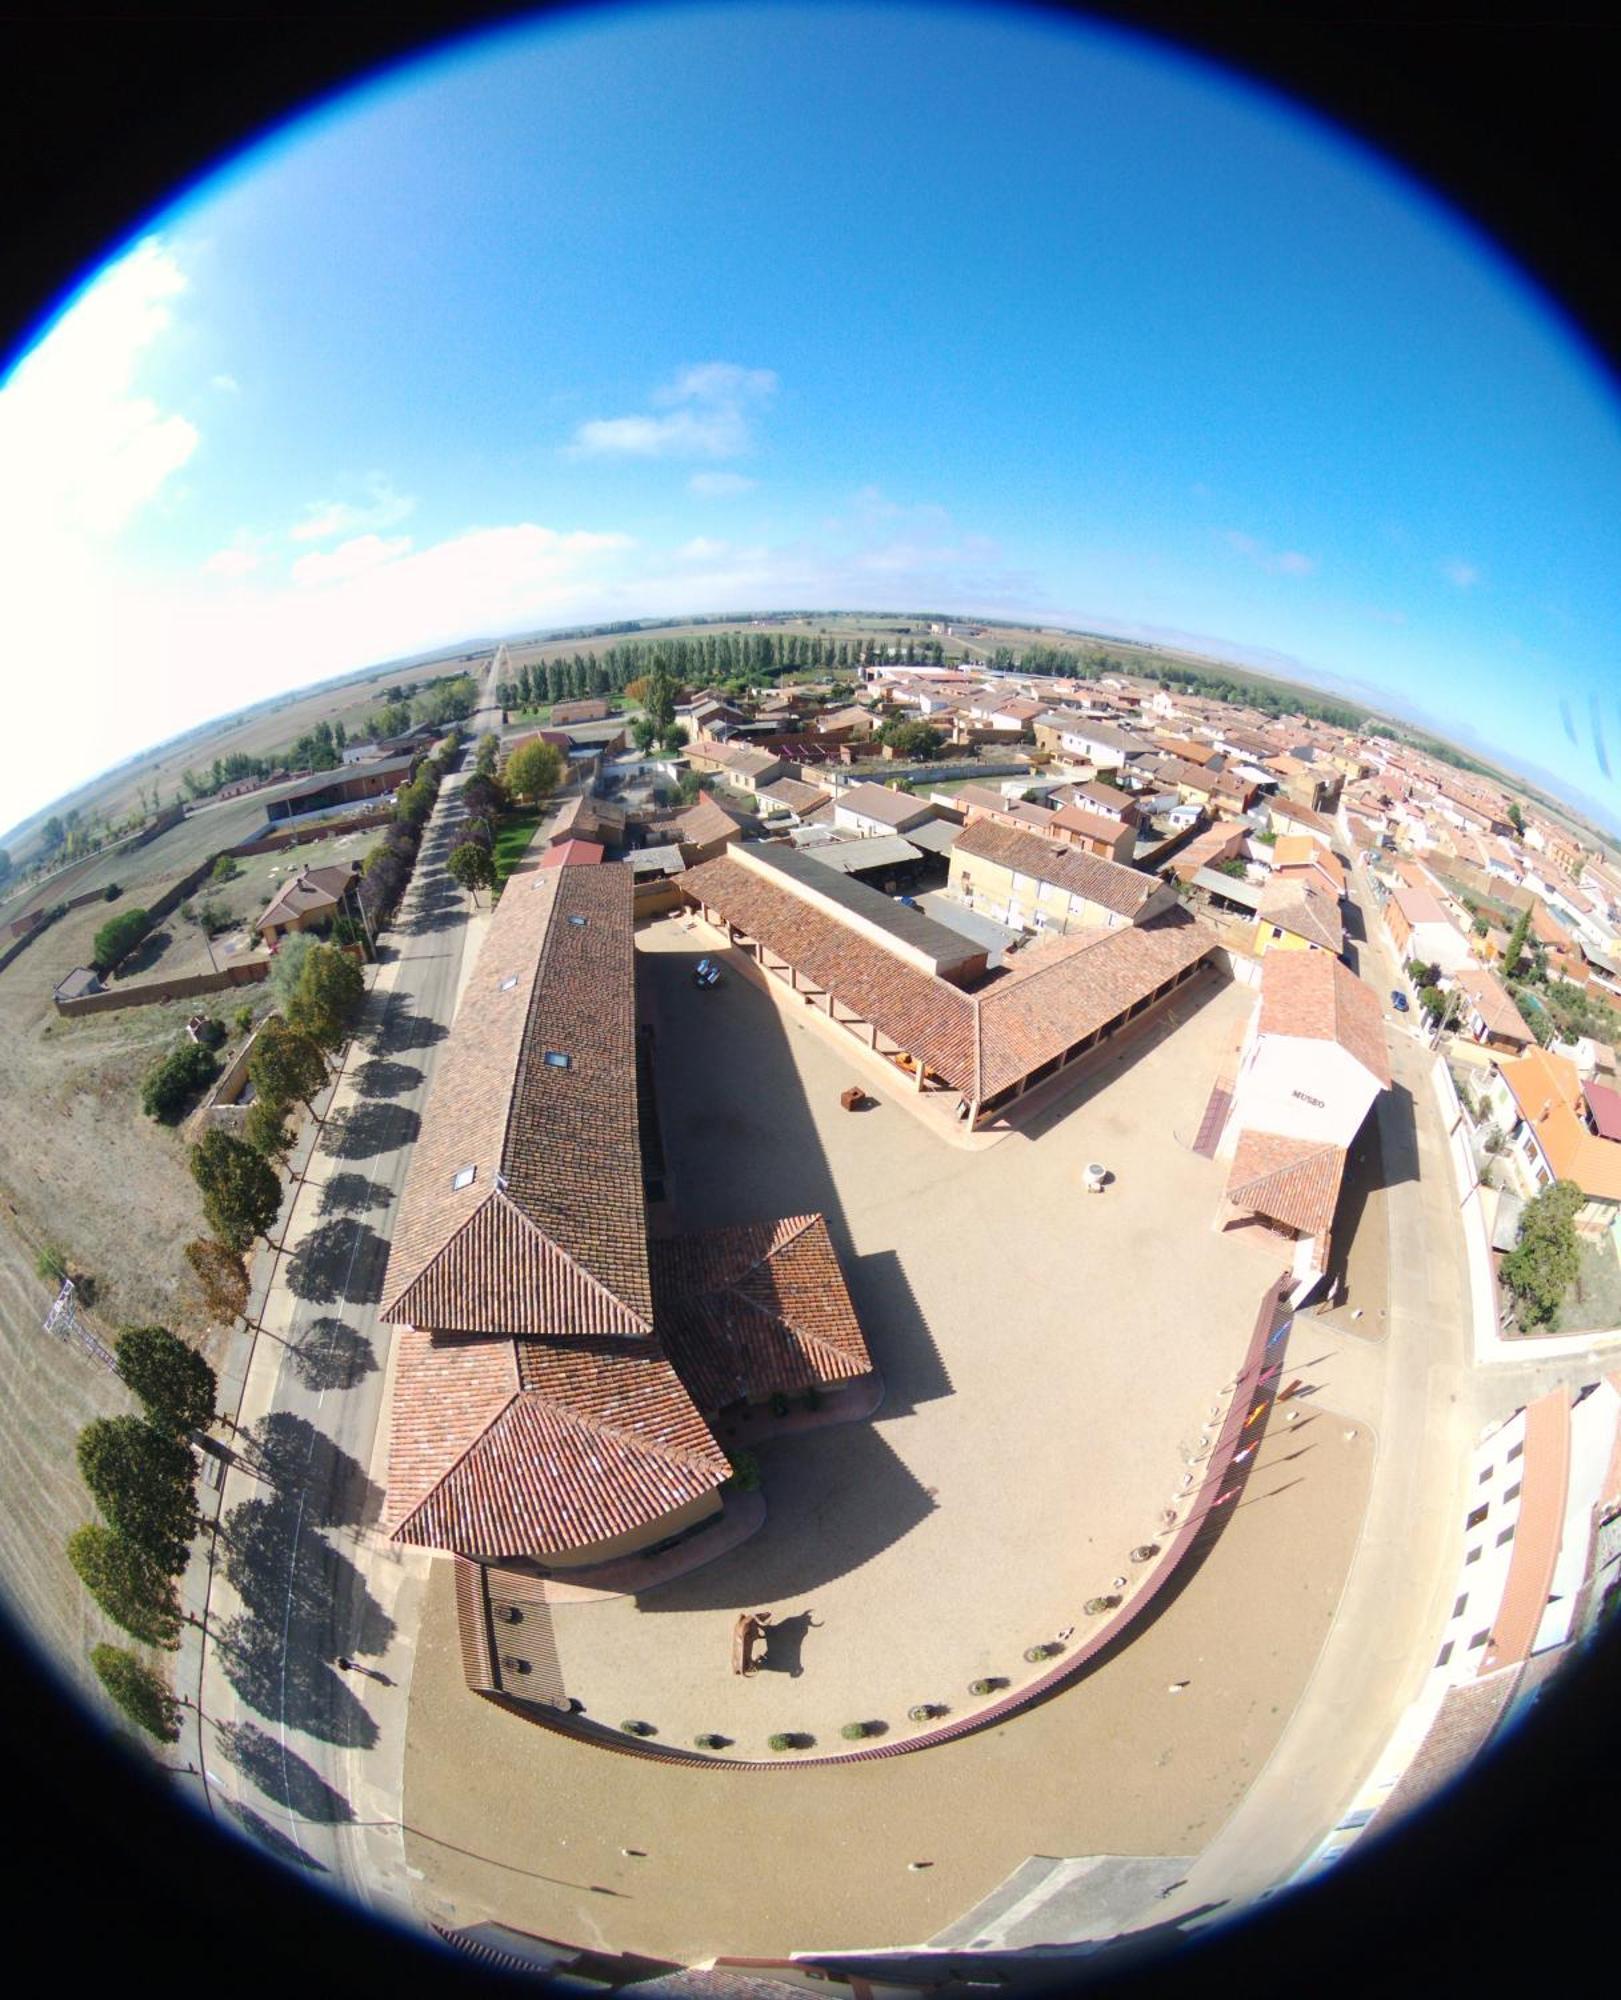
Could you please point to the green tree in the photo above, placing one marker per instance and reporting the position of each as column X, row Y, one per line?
column 221, row 1276
column 266, row 1130
column 117, row 938
column 138, row 1691
column 53, row 833
column 130, row 1587
column 1516, row 817
column 287, row 967
column 1542, row 1266
column 286, row 1064
column 171, row 1086
column 910, row 736
column 327, row 997
column 534, row 771
column 472, row 867
column 172, row 1382
column 241, row 1194
column 225, row 869
column 1516, row 942
column 143, row 1480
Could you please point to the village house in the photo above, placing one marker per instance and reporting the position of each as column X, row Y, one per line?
column 869, row 808
column 308, row 901
column 1420, row 929
column 1028, row 882
column 1554, row 1133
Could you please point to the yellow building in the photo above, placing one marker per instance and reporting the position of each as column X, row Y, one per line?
column 1031, row 883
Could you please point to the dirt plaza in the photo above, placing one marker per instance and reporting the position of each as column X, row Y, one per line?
column 1046, row 1391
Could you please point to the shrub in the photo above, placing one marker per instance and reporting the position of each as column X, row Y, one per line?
column 709, row 1739
column 170, row 1087
column 1035, row 1654
column 638, row 1728
column 852, row 1732
column 117, row 938
column 244, row 1020
column 1094, row 1605
column 225, row 869
column 745, row 1471
column 783, row 1741
column 925, row 1711
column 983, row 1686
column 779, row 1405
column 211, row 1033
column 51, row 1264
column 111, row 893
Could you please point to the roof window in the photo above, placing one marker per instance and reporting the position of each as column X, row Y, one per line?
column 578, row 922
column 509, row 982
column 463, row 1177
column 555, row 1059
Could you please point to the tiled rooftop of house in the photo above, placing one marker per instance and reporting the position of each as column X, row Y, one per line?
column 1314, row 997
column 310, row 889
column 1294, row 906
column 1110, row 884
column 1288, row 1180
column 879, row 802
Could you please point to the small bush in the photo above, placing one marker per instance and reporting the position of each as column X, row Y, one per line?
column 709, row 1739
column 925, row 1711
column 211, row 1034
column 51, row 1264
column 170, row 1087
column 111, row 893
column 244, row 1020
column 745, row 1471
column 1043, row 1652
column 779, row 1405
column 788, row 1740
column 852, row 1732
column 1094, row 1605
column 638, row 1728
column 987, row 1686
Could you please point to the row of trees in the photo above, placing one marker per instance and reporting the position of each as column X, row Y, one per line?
column 389, row 862
column 142, row 1474
column 533, row 772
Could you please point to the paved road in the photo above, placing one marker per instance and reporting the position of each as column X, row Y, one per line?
column 305, row 1754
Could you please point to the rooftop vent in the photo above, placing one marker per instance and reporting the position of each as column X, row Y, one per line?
column 555, row 1059
column 463, row 1177
column 509, row 982
column 579, row 922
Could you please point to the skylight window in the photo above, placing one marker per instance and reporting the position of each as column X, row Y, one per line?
column 509, row 982
column 555, row 1059
column 463, row 1177
column 578, row 922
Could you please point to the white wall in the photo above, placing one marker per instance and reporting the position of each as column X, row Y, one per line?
column 1304, row 1089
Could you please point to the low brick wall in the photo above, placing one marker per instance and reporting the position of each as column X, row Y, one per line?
column 295, row 836
column 148, row 992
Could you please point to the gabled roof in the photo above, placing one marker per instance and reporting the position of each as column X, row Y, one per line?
column 1110, row 884
column 880, row 802
column 310, row 889
column 1293, row 906
column 1547, row 1088
column 1288, row 1180
column 757, row 1310
column 547, row 1233
column 1309, row 995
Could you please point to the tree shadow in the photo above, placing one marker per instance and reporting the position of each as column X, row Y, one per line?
column 369, row 1129
column 271, row 1838
column 145, row 955
column 289, row 1683
column 402, row 1030
column 353, row 1194
column 341, row 1261
column 382, row 1077
column 837, row 1498
column 299, row 1458
column 280, row 1774
column 333, row 1355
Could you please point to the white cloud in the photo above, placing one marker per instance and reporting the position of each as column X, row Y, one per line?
column 83, row 450
column 1277, row 562
column 1463, row 574
column 709, row 408
column 720, row 485
column 234, row 561
column 227, row 384
column 325, row 518
column 348, row 559
column 702, row 548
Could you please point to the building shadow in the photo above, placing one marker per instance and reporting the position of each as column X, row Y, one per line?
column 279, row 1773
column 902, row 1347
column 340, row 1262
column 837, row 1498
column 369, row 1129
column 1398, row 1136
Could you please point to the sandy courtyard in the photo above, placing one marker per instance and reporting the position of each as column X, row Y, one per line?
column 1050, row 1361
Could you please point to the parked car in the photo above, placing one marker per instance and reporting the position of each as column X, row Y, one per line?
column 1398, row 999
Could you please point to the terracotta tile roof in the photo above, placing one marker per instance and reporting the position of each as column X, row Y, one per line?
column 310, row 889
column 699, row 824
column 757, row 1310
column 1089, row 825
column 1286, row 809
column 879, row 802
column 1605, row 1105
column 1110, row 884
column 1059, row 994
column 1462, row 1727
column 797, row 797
column 1544, row 1481
column 1496, row 1008
column 1298, row 909
column 548, row 1234
column 571, row 854
column 1547, row 1088
column 591, row 1439
column 1292, row 1181
column 1314, row 997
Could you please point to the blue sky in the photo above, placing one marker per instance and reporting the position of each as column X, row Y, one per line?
column 727, row 308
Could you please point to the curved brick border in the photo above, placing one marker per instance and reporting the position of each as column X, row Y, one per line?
column 1253, row 1393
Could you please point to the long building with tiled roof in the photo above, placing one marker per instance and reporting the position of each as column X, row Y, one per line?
column 538, row 1414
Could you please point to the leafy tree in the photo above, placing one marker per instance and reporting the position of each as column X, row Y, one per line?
column 266, row 1130
column 533, row 771
column 171, row 1086
column 1516, row 941
column 286, row 1064
column 223, row 1278
column 483, row 795
column 225, row 869
column 53, row 833
column 241, row 1194
column 287, row 967
column 138, row 1691
column 489, row 749
column 1515, row 817
column 327, row 997
column 471, row 866
column 117, row 938
column 910, row 736
column 172, row 1381
column 5, row 863
column 142, row 1479
column 133, row 1590
column 1543, row 1264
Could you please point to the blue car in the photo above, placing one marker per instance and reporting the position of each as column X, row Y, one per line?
column 1398, row 1000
